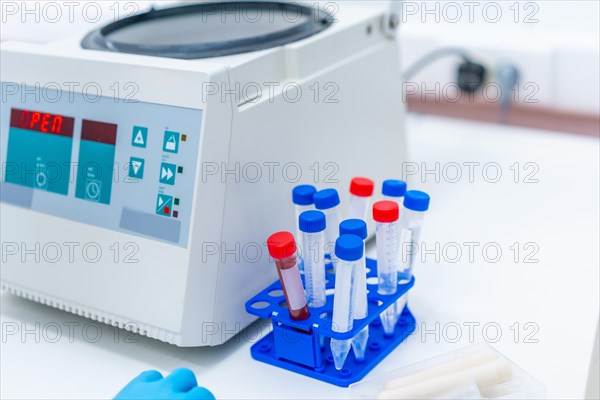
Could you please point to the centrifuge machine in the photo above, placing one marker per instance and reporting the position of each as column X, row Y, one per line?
column 145, row 164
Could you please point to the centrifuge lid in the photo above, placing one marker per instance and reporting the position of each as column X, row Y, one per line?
column 209, row 29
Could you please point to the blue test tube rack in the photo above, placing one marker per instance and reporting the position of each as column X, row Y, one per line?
column 296, row 345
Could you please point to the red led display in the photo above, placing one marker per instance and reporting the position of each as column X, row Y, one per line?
column 99, row 132
column 42, row 122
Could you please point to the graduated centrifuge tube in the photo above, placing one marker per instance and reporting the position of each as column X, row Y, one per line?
column 312, row 225
column 361, row 191
column 349, row 251
column 416, row 203
column 386, row 214
column 328, row 202
column 302, row 197
column 358, row 228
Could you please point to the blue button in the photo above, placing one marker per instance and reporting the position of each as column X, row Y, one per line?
column 167, row 173
column 139, row 137
column 164, row 205
column 171, row 142
column 136, row 168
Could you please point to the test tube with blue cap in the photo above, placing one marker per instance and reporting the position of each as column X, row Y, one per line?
column 394, row 190
column 361, row 191
column 386, row 214
column 312, row 225
column 328, row 202
column 358, row 228
column 302, row 197
column 349, row 250
column 416, row 203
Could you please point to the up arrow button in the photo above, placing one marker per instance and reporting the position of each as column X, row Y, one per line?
column 139, row 137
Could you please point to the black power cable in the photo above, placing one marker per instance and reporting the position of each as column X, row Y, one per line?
column 471, row 75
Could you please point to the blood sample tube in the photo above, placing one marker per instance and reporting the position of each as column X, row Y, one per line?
column 282, row 248
column 361, row 190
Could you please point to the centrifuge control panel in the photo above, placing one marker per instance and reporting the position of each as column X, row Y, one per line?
column 123, row 165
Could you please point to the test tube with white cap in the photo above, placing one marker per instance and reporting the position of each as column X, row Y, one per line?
column 328, row 202
column 302, row 197
column 386, row 214
column 358, row 228
column 349, row 251
column 361, row 191
column 282, row 248
column 312, row 225
column 394, row 190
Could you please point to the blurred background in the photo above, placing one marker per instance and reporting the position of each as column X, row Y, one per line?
column 541, row 59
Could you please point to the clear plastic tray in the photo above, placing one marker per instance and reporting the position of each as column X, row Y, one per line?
column 464, row 385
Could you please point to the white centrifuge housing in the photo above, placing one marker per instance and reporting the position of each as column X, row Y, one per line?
column 144, row 166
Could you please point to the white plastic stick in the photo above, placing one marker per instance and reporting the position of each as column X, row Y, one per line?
column 469, row 361
column 485, row 376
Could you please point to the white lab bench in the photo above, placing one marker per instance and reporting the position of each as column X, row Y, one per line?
column 552, row 304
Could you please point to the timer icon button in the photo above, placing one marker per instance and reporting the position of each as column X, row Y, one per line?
column 92, row 190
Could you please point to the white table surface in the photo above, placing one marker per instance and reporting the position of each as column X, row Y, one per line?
column 559, row 294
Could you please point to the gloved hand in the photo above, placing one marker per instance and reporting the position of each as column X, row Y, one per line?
column 180, row 384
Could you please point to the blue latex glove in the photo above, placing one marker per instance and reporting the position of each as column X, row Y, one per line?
column 180, row 384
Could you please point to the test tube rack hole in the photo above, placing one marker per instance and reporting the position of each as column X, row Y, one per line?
column 297, row 346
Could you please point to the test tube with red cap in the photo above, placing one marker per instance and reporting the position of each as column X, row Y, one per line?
column 386, row 214
column 282, row 248
column 361, row 191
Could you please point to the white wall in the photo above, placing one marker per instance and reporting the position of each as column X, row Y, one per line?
column 555, row 44
column 45, row 21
